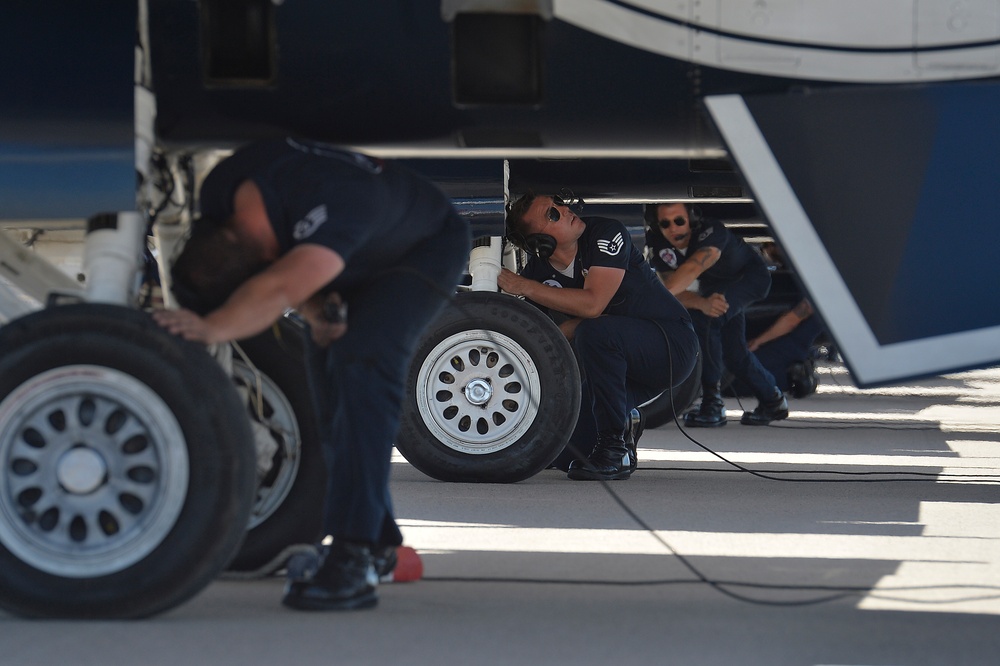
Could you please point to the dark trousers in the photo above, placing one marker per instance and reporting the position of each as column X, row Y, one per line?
column 777, row 355
column 724, row 339
column 624, row 362
column 363, row 378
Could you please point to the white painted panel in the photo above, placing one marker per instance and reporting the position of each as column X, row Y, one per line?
column 854, row 23
column 958, row 22
column 832, row 40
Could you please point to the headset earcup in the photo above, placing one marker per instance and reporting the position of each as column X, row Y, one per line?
column 649, row 216
column 694, row 216
column 540, row 245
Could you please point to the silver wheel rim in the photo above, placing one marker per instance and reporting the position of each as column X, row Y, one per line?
column 95, row 471
column 478, row 391
column 275, row 482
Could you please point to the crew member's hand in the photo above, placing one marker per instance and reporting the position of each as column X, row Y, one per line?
column 327, row 317
column 512, row 283
column 754, row 344
column 568, row 327
column 323, row 333
column 186, row 324
column 715, row 305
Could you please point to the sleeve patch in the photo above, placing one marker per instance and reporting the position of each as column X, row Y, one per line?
column 669, row 257
column 313, row 220
column 611, row 247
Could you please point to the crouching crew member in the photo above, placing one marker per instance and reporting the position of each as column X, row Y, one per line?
column 632, row 338
column 731, row 276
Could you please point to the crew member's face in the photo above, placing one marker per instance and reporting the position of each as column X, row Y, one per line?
column 545, row 216
column 674, row 224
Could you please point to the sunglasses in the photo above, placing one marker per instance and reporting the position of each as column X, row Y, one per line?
column 554, row 215
column 677, row 221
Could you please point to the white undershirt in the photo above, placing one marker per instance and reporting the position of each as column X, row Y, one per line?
column 568, row 271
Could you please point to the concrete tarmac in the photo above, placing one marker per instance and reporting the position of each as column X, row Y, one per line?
column 870, row 535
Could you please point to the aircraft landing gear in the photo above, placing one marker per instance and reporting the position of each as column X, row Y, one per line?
column 493, row 392
column 126, row 474
column 288, row 506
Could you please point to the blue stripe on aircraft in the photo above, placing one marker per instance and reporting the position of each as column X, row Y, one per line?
column 67, row 130
column 951, row 253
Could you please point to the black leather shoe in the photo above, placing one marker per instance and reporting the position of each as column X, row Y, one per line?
column 384, row 561
column 701, row 419
column 802, row 378
column 711, row 414
column 767, row 411
column 344, row 581
column 303, row 565
column 610, row 460
column 637, row 423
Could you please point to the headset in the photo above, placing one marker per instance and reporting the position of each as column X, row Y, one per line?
column 540, row 245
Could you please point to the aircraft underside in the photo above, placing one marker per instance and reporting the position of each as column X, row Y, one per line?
column 864, row 138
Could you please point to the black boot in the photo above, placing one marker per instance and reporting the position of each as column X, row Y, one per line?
column 609, row 460
column 345, row 580
column 385, row 561
column 303, row 565
column 770, row 409
column 711, row 413
column 637, row 423
column 802, row 378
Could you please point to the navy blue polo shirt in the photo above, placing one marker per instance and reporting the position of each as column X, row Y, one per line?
column 606, row 242
column 369, row 211
column 735, row 259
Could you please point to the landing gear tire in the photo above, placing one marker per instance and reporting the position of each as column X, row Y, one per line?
column 668, row 404
column 492, row 394
column 288, row 507
column 126, row 477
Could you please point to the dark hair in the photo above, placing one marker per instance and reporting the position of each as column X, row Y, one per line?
column 517, row 229
column 212, row 265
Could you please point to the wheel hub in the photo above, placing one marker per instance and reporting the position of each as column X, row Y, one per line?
column 93, row 471
column 276, row 437
column 81, row 470
column 478, row 391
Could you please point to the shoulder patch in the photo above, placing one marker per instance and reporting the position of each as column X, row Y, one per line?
column 669, row 257
column 552, row 283
column 313, row 220
column 613, row 246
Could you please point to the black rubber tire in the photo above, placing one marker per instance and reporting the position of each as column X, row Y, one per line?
column 299, row 473
column 664, row 407
column 61, row 362
column 474, row 327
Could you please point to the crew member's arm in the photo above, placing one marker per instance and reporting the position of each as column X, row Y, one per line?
column 599, row 286
column 678, row 281
column 700, row 261
column 568, row 327
column 715, row 305
column 262, row 299
column 783, row 325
